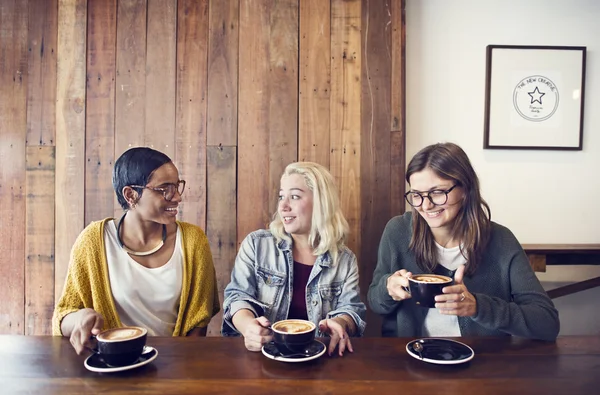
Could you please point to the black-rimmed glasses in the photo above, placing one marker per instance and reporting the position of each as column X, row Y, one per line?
column 437, row 197
column 168, row 190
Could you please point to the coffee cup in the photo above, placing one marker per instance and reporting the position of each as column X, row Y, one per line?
column 293, row 335
column 121, row 346
column 423, row 288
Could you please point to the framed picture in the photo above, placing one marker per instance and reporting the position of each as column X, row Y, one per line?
column 534, row 97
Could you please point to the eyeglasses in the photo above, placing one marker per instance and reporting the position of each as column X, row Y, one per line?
column 437, row 197
column 168, row 191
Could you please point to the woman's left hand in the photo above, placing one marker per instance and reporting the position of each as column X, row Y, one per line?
column 336, row 329
column 457, row 300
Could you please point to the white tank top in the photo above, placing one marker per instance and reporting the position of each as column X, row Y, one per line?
column 436, row 324
column 144, row 297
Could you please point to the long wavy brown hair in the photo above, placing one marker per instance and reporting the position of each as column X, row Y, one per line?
column 472, row 225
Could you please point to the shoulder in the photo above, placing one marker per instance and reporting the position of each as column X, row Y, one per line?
column 346, row 255
column 399, row 225
column 261, row 234
column 92, row 233
column 190, row 230
column 260, row 237
column 502, row 240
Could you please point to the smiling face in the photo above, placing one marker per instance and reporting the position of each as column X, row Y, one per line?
column 295, row 205
column 152, row 205
column 439, row 218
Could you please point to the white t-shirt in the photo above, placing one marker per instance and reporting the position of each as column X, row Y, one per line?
column 437, row 324
column 144, row 297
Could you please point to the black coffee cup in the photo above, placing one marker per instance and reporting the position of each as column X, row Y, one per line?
column 293, row 336
column 423, row 288
column 121, row 346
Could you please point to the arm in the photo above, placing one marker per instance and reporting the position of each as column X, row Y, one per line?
column 74, row 316
column 197, row 332
column 349, row 306
column 201, row 303
column 530, row 312
column 241, row 292
column 378, row 296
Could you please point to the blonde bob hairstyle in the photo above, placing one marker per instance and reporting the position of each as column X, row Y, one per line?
column 329, row 228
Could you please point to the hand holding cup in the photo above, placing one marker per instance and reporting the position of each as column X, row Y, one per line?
column 256, row 333
column 86, row 322
column 456, row 299
column 397, row 285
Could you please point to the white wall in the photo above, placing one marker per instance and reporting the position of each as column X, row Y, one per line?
column 542, row 196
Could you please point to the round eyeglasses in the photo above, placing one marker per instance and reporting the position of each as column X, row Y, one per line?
column 168, row 190
column 437, row 197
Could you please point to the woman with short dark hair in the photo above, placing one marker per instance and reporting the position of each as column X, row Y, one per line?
column 145, row 269
column 449, row 232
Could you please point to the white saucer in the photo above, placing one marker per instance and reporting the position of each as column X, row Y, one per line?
column 440, row 351
column 313, row 351
column 96, row 364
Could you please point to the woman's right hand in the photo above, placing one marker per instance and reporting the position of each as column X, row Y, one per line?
column 256, row 333
column 397, row 283
column 85, row 323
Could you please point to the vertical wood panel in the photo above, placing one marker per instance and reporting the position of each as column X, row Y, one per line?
column 397, row 169
column 346, row 110
column 13, row 127
column 160, row 75
column 192, row 47
column 283, row 92
column 130, row 87
column 41, row 96
column 375, row 138
column 398, row 119
column 223, row 72
column 39, row 241
column 100, row 109
column 253, row 136
column 281, row 79
column 221, row 222
column 315, row 87
column 70, row 131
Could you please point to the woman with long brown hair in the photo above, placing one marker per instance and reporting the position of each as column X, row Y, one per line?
column 449, row 232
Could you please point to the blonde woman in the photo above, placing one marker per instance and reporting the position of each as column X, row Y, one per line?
column 299, row 268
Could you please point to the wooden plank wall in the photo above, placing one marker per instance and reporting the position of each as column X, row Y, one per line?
column 232, row 90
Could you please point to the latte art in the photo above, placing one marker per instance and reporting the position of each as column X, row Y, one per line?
column 118, row 334
column 293, row 326
column 431, row 278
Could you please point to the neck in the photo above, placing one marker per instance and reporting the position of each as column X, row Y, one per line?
column 444, row 238
column 139, row 237
column 138, row 230
column 302, row 251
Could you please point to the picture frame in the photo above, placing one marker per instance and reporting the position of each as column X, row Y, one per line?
column 534, row 97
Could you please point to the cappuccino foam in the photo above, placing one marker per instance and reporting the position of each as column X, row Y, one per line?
column 121, row 334
column 293, row 326
column 431, row 278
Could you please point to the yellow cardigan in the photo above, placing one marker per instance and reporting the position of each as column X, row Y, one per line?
column 88, row 286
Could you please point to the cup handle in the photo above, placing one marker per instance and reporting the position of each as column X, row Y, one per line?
column 407, row 289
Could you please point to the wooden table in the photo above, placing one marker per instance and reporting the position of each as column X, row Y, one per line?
column 48, row 365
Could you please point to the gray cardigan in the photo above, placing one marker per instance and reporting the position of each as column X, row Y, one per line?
column 510, row 298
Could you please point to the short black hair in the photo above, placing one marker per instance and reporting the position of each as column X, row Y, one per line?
column 135, row 167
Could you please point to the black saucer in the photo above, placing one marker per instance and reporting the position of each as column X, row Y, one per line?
column 312, row 351
column 95, row 363
column 440, row 351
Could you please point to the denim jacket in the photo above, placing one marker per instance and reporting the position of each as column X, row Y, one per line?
column 262, row 281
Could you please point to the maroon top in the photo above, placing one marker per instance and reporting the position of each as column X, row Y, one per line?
column 298, row 305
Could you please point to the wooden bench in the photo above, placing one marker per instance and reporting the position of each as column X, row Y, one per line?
column 541, row 255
